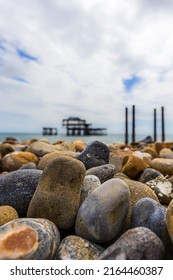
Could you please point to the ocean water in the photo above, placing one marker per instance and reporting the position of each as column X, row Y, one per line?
column 107, row 139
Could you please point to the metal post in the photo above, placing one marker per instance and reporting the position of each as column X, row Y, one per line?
column 163, row 125
column 126, row 126
column 133, row 123
column 155, row 126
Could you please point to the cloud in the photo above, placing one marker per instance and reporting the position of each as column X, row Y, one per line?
column 63, row 58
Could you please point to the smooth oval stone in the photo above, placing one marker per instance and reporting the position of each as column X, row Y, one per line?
column 149, row 213
column 163, row 189
column 149, row 174
column 139, row 243
column 7, row 214
column 57, row 195
column 90, row 183
column 65, row 146
column 15, row 160
column 74, row 247
column 164, row 165
column 95, row 154
column 169, row 219
column 29, row 239
column 30, row 165
column 17, row 189
column 100, row 217
column 103, row 172
column 133, row 167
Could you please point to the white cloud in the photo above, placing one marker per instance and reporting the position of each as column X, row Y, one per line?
column 85, row 49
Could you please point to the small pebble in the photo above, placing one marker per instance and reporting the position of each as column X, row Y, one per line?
column 7, row 214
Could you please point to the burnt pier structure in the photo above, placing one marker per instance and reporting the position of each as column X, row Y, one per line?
column 77, row 126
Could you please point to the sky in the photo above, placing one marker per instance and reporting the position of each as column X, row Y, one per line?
column 89, row 59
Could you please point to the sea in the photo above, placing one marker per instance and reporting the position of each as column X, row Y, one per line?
column 107, row 139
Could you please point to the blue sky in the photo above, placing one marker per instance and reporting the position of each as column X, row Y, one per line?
column 88, row 58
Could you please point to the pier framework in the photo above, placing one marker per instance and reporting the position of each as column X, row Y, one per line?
column 77, row 126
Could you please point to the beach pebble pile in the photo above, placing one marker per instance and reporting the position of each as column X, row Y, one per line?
column 78, row 201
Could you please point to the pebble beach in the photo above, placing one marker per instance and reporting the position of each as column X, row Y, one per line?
column 72, row 200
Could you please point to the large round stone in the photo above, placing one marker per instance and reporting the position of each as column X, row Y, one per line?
column 100, row 217
column 57, row 195
column 164, row 165
column 17, row 189
column 25, row 239
column 139, row 243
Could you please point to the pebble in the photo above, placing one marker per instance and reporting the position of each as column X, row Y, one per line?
column 79, row 145
column 117, row 161
column 149, row 213
column 133, row 167
column 95, row 154
column 29, row 239
column 164, row 165
column 138, row 190
column 5, row 149
column 57, row 195
column 17, row 189
column 72, row 185
column 151, row 151
column 101, row 216
column 139, row 243
column 163, row 189
column 74, row 247
column 7, row 214
column 46, row 159
column 40, row 148
column 103, row 172
column 149, row 174
column 90, row 183
column 169, row 219
column 14, row 160
column 166, row 153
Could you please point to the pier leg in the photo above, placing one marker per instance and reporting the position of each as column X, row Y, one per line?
column 126, row 126
column 163, row 124
column 133, row 123
column 155, row 126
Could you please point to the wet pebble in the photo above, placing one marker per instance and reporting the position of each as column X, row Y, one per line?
column 139, row 243
column 101, row 216
column 29, row 239
column 74, row 247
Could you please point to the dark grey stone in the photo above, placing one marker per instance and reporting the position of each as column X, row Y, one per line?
column 149, row 174
column 95, row 154
column 149, row 213
column 17, row 189
column 103, row 172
